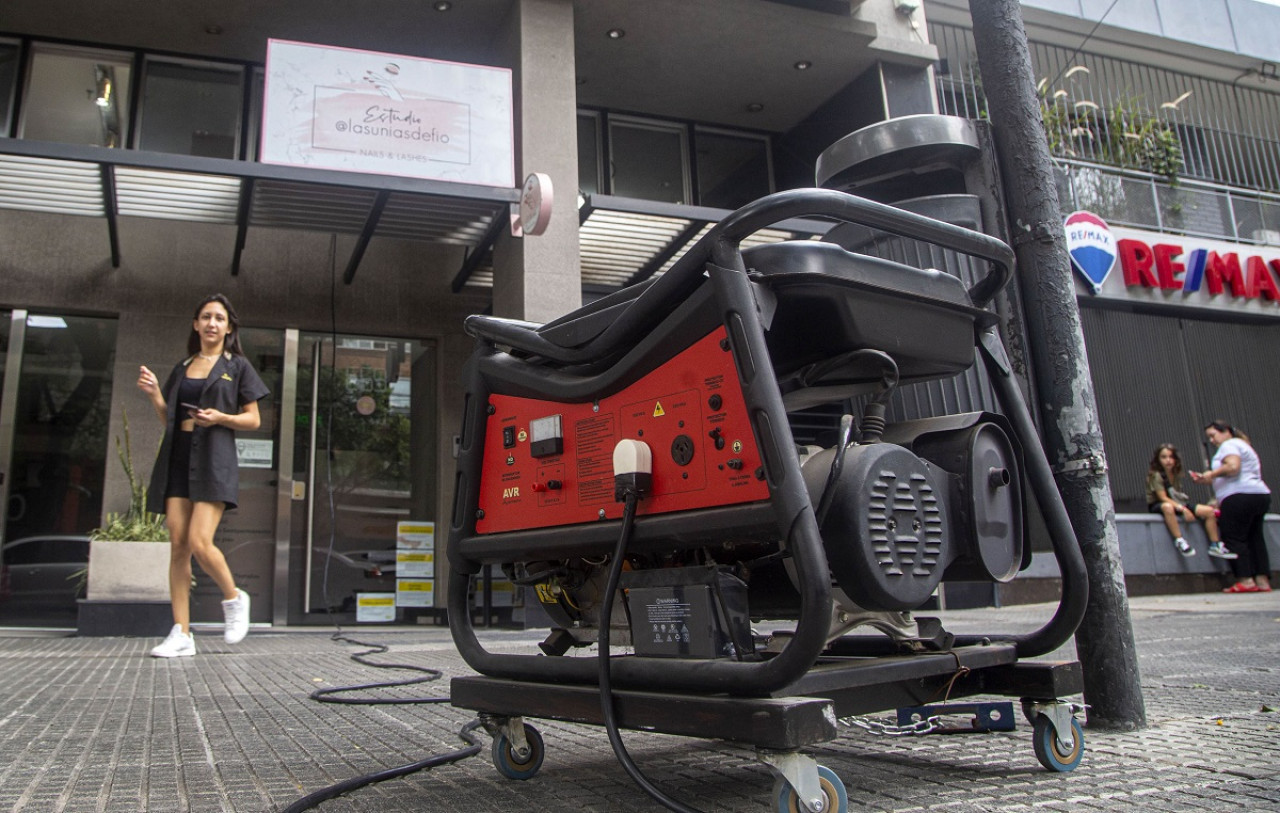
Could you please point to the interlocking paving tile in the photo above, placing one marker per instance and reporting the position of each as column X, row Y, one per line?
column 94, row 725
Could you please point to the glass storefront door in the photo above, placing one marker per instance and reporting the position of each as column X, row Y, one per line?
column 364, row 461
column 55, row 405
column 347, row 451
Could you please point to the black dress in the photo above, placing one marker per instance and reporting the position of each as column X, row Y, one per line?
column 213, row 470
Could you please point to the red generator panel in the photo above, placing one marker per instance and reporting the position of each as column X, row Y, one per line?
column 548, row 463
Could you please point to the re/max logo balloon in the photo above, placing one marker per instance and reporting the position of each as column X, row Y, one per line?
column 1091, row 246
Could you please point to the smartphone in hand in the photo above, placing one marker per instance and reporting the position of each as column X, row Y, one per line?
column 189, row 407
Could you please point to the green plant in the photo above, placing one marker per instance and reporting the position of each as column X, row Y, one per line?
column 137, row 524
column 1126, row 134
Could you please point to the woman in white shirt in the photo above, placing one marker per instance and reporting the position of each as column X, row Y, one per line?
column 1243, row 499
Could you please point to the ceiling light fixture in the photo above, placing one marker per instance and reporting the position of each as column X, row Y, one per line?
column 616, row 33
column 213, row 29
column 442, row 5
column 755, row 107
column 103, row 86
column 803, row 65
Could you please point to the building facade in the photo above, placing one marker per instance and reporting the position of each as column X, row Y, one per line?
column 131, row 185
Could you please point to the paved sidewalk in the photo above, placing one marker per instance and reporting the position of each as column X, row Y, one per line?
column 92, row 724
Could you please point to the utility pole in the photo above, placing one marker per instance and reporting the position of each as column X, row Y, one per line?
column 1072, row 437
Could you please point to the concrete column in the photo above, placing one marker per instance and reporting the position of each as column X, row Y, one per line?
column 539, row 278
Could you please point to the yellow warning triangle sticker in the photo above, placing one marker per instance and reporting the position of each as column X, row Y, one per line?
column 657, row 409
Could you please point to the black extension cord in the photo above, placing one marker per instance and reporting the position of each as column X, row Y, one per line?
column 329, row 695
column 333, row 791
column 606, row 686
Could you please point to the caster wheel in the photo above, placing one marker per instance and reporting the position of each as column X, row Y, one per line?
column 509, row 764
column 836, row 798
column 1049, row 750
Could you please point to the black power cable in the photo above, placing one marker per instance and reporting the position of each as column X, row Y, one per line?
column 329, row 695
column 333, row 791
column 429, row 675
column 606, row 687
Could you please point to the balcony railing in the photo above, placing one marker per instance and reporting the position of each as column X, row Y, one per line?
column 1146, row 201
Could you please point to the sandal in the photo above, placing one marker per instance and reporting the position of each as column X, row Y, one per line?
column 1244, row 588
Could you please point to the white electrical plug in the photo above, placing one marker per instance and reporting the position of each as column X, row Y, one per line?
column 632, row 468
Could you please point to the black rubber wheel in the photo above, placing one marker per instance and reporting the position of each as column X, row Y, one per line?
column 837, row 798
column 1050, row 753
column 509, row 764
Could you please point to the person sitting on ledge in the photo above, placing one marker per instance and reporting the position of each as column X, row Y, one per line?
column 1164, row 475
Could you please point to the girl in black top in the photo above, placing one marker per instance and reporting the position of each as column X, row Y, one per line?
column 207, row 397
column 1164, row 475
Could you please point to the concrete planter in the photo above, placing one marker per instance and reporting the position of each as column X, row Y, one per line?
column 128, row 571
column 128, row 590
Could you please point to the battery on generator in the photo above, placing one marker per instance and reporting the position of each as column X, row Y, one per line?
column 687, row 612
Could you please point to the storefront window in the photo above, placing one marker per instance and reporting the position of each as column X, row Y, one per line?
column 191, row 109
column 77, row 96
column 8, row 83
column 588, row 153
column 733, row 169
column 257, row 79
column 58, row 461
column 647, row 160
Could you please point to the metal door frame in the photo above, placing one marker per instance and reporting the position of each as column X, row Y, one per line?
column 285, row 494
column 9, row 406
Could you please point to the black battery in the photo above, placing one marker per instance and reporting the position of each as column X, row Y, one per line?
column 687, row 612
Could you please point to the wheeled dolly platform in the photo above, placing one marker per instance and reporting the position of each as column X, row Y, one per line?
column 795, row 718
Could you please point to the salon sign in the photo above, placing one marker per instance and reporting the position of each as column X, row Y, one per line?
column 365, row 111
column 1192, row 272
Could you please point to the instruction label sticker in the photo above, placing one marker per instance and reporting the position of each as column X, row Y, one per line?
column 373, row 608
column 415, row 592
column 415, row 550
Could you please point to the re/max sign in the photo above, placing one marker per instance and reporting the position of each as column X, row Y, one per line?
column 1169, row 266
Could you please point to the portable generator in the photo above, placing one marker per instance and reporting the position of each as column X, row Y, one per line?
column 638, row 452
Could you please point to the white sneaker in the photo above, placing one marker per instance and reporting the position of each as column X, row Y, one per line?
column 179, row 644
column 236, row 613
column 1184, row 547
column 1220, row 550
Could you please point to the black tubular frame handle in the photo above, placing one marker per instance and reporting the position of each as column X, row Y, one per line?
column 721, row 245
column 828, row 203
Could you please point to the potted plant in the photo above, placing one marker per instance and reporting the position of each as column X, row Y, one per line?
column 127, row 578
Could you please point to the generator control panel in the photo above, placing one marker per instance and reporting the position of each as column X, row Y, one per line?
column 549, row 463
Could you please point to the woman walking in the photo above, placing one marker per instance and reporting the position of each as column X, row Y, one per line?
column 208, row 396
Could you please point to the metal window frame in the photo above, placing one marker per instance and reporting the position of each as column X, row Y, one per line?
column 745, row 135
column 38, row 47
column 653, row 125
column 6, row 112
column 597, row 119
column 149, row 59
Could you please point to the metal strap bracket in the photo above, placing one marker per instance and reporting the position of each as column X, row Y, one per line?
column 1090, row 464
column 1044, row 232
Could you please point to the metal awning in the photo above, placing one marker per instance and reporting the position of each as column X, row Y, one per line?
column 108, row 183
column 622, row 241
